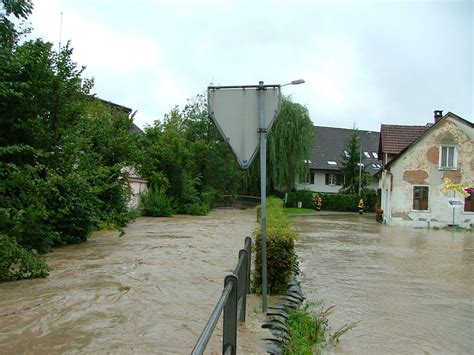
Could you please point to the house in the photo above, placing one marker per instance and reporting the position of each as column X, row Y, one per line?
column 137, row 183
column 326, row 160
column 416, row 161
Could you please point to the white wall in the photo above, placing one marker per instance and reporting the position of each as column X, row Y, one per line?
column 419, row 162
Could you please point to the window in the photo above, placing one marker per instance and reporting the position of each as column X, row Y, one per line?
column 367, row 155
column 334, row 179
column 469, row 203
column 420, row 198
column 311, row 178
column 375, row 155
column 332, row 162
column 447, row 157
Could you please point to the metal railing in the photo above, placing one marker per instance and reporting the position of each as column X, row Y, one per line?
column 233, row 302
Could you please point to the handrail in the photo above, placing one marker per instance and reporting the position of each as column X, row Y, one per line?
column 232, row 301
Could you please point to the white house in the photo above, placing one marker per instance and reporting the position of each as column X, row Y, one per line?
column 411, row 182
column 326, row 160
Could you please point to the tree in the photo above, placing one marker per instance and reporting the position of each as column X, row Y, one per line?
column 61, row 152
column 289, row 145
column 20, row 9
column 212, row 159
column 350, row 166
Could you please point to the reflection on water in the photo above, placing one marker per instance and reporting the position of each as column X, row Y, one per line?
column 151, row 291
column 411, row 289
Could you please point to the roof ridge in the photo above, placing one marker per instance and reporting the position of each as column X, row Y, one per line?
column 347, row 129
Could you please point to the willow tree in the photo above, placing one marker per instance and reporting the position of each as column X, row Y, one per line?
column 289, row 147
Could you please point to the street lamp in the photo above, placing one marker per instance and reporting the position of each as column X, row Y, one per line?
column 294, row 82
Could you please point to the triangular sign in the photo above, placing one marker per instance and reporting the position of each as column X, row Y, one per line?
column 235, row 111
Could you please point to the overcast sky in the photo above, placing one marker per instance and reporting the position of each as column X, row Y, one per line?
column 364, row 62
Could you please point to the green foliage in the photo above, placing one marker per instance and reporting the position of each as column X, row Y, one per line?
column 281, row 256
column 350, row 166
column 62, row 152
column 306, row 330
column 370, row 199
column 18, row 263
column 304, row 196
column 344, row 202
column 289, row 146
column 212, row 159
column 20, row 9
column 197, row 209
column 186, row 158
column 155, row 203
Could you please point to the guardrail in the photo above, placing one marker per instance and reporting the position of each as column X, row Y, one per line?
column 233, row 302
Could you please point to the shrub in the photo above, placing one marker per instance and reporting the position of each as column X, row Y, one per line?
column 197, row 209
column 305, row 196
column 73, row 207
column 348, row 202
column 18, row 263
column 281, row 256
column 155, row 203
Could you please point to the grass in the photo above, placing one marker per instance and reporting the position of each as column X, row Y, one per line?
column 307, row 329
column 310, row 332
column 293, row 210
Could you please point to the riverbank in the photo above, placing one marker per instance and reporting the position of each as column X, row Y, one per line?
column 151, row 291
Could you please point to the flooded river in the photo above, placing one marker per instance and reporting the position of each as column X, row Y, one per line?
column 151, row 291
column 412, row 290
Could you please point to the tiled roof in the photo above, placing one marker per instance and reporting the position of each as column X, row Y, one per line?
column 329, row 144
column 395, row 138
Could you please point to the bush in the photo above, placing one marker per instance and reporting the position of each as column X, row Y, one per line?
column 348, row 202
column 18, row 263
column 281, row 256
column 305, row 196
column 155, row 203
column 73, row 206
column 197, row 209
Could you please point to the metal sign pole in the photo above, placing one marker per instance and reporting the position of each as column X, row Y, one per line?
column 263, row 189
column 453, row 206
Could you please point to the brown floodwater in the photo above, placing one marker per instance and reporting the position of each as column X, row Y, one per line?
column 151, row 291
column 411, row 289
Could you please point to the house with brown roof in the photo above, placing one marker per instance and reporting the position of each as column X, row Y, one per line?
column 416, row 162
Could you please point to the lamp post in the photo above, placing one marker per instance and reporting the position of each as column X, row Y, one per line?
column 360, row 165
column 263, row 183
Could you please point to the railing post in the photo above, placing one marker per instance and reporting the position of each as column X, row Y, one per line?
column 243, row 281
column 230, row 317
column 248, row 247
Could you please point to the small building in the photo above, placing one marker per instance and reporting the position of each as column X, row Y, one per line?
column 328, row 150
column 416, row 161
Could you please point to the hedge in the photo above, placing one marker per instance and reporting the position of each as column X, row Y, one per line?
column 333, row 201
column 281, row 255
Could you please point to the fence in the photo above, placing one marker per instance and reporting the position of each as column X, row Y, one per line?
column 233, row 302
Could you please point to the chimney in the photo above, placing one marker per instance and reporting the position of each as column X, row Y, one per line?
column 437, row 115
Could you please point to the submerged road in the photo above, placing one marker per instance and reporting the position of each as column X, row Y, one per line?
column 412, row 290
column 150, row 291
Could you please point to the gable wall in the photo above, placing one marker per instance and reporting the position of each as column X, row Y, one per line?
column 419, row 166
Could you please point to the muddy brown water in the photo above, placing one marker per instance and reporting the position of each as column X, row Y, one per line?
column 411, row 290
column 151, row 291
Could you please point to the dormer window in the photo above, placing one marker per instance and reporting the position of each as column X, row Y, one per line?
column 448, row 157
